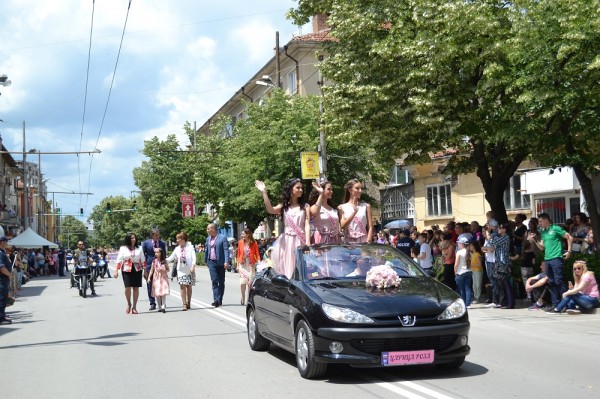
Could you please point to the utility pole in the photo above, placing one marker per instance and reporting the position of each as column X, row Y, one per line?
column 277, row 61
column 25, row 189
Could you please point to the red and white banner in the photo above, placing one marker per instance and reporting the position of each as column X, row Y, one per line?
column 187, row 205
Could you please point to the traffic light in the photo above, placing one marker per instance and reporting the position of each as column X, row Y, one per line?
column 81, row 211
column 58, row 211
column 134, row 205
column 108, row 208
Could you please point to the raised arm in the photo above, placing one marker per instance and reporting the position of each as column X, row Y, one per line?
column 315, row 209
column 263, row 189
column 307, row 226
column 345, row 220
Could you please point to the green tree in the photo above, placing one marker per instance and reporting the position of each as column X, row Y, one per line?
column 557, row 54
column 267, row 146
column 422, row 77
column 166, row 174
column 72, row 230
column 111, row 227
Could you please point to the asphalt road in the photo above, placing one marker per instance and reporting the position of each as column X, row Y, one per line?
column 63, row 346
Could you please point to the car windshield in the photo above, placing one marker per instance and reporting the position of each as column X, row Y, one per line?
column 353, row 262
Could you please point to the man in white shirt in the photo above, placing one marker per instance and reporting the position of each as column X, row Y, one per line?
column 425, row 257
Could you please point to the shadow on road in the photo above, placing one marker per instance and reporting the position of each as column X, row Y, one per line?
column 344, row 374
column 91, row 341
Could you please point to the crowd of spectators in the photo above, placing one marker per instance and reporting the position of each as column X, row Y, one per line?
column 479, row 257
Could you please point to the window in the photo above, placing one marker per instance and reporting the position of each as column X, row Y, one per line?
column 555, row 207
column 291, row 82
column 399, row 176
column 439, row 201
column 514, row 198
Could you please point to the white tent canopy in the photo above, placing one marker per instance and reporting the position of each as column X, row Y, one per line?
column 29, row 239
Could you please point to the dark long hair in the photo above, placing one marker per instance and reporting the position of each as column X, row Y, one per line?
column 127, row 241
column 347, row 188
column 314, row 194
column 287, row 194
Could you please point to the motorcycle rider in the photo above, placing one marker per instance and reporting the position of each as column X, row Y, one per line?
column 82, row 256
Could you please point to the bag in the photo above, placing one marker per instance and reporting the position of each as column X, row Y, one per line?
column 585, row 247
column 501, row 271
column 174, row 271
column 576, row 247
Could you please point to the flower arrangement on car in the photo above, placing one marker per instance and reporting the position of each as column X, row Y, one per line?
column 382, row 277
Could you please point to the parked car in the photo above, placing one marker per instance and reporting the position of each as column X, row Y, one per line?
column 327, row 312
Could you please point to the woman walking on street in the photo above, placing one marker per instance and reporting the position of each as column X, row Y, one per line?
column 325, row 217
column 185, row 256
column 296, row 218
column 355, row 215
column 131, row 260
column 160, row 280
column 247, row 257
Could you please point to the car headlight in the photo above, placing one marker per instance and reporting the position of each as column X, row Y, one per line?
column 344, row 315
column 455, row 310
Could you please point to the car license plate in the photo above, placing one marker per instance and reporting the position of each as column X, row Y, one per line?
column 407, row 358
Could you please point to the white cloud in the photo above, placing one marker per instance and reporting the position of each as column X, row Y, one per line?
column 180, row 61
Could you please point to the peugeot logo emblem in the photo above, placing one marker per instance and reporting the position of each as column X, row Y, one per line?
column 407, row 321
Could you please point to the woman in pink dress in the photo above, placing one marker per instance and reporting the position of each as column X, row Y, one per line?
column 355, row 215
column 296, row 218
column 160, row 279
column 325, row 217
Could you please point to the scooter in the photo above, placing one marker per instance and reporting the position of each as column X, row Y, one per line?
column 82, row 274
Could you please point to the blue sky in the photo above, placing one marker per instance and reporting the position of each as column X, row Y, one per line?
column 180, row 61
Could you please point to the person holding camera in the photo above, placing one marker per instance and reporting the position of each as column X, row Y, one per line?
column 184, row 255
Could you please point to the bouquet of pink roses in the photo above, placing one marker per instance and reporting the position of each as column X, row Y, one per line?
column 382, row 277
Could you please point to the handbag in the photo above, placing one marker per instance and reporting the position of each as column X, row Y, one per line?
column 501, row 271
column 576, row 247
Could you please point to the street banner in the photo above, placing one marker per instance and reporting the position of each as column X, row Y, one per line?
column 309, row 162
column 186, row 197
column 187, row 209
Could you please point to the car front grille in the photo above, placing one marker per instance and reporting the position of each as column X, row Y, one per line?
column 377, row 345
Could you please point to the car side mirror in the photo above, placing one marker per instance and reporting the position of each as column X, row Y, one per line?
column 280, row 280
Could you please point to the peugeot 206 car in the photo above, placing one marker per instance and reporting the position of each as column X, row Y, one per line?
column 329, row 312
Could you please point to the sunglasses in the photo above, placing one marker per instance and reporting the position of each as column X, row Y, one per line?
column 577, row 268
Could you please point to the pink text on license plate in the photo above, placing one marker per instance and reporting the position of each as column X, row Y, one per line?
column 407, row 358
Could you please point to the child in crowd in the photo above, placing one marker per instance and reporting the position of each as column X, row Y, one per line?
column 475, row 260
column 160, row 282
column 414, row 253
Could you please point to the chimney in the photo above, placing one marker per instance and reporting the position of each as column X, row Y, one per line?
column 319, row 22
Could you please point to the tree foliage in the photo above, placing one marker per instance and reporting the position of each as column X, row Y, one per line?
column 72, row 230
column 557, row 54
column 267, row 146
column 111, row 227
column 421, row 77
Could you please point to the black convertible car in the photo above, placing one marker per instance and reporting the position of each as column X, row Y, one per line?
column 328, row 313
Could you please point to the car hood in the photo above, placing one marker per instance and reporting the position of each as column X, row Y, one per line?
column 415, row 296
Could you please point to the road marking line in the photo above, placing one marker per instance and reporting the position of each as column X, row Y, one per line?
column 222, row 313
column 395, row 389
column 425, row 390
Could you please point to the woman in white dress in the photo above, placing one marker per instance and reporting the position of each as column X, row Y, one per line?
column 325, row 217
column 131, row 259
column 296, row 218
column 184, row 255
column 355, row 216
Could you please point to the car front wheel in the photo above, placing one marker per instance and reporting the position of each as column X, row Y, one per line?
column 305, row 353
column 257, row 342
